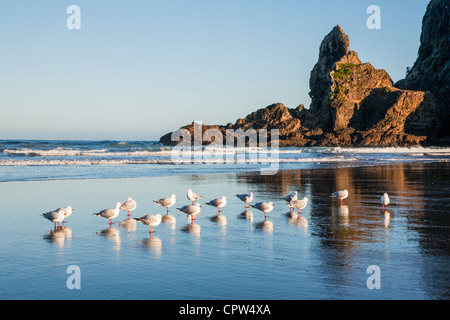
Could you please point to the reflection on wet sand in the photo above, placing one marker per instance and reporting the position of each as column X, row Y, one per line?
column 385, row 217
column 129, row 224
column 112, row 234
column 169, row 220
column 247, row 214
column 153, row 243
column 219, row 218
column 297, row 220
column 405, row 183
column 266, row 226
column 192, row 228
column 59, row 236
column 340, row 215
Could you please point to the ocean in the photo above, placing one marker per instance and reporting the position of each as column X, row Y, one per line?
column 26, row 160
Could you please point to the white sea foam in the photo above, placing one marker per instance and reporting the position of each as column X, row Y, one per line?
column 60, row 152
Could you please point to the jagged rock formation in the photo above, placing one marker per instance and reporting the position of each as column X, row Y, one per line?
column 431, row 71
column 354, row 104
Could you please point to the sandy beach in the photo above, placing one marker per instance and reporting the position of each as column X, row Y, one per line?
column 323, row 254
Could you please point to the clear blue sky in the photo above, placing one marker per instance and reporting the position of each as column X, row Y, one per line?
column 139, row 69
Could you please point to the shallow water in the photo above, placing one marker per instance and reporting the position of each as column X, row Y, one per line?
column 323, row 255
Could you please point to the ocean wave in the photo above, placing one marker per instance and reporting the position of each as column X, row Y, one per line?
column 103, row 162
column 63, row 152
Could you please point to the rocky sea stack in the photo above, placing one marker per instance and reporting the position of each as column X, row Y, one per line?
column 354, row 104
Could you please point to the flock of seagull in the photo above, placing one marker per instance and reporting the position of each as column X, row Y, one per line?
column 59, row 215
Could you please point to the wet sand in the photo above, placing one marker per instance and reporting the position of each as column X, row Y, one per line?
column 324, row 254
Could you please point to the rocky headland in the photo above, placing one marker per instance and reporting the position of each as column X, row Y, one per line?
column 355, row 104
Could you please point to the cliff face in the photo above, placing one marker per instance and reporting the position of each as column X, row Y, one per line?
column 354, row 104
column 431, row 71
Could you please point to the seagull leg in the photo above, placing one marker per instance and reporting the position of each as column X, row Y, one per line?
column 128, row 215
column 342, row 202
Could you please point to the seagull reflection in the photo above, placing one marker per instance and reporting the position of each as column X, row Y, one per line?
column 219, row 218
column 297, row 220
column 341, row 213
column 192, row 228
column 265, row 225
column 111, row 234
column 247, row 214
column 153, row 244
column 292, row 215
column 170, row 220
column 59, row 236
column 129, row 224
column 385, row 217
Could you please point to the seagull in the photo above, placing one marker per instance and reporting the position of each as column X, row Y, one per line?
column 55, row 216
column 193, row 196
column 166, row 202
column 384, row 200
column 246, row 197
column 67, row 212
column 218, row 203
column 128, row 206
column 191, row 210
column 150, row 220
column 265, row 207
column 299, row 204
column 109, row 213
column 290, row 197
column 340, row 195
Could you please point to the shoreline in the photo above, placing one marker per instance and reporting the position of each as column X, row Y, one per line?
column 218, row 169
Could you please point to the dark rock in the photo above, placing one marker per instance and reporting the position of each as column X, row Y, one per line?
column 431, row 71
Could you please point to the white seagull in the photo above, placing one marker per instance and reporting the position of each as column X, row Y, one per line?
column 290, row 197
column 299, row 204
column 191, row 210
column 109, row 213
column 384, row 200
column 192, row 196
column 218, row 203
column 150, row 220
column 246, row 197
column 128, row 206
column 340, row 195
column 265, row 207
column 67, row 212
column 55, row 216
column 166, row 202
